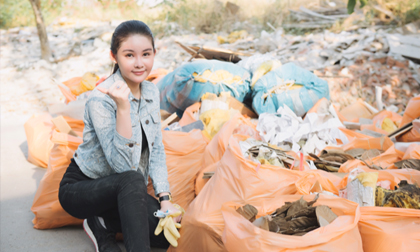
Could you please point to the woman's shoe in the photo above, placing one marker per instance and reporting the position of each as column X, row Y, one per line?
column 103, row 239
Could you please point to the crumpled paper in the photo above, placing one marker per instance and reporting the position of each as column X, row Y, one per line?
column 318, row 129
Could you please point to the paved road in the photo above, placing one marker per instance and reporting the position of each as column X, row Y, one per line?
column 19, row 180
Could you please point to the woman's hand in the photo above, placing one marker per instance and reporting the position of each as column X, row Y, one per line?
column 118, row 92
column 167, row 205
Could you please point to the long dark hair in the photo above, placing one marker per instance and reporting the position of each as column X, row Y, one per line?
column 126, row 29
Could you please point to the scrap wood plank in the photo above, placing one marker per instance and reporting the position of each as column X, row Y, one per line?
column 212, row 53
column 309, row 25
column 313, row 13
column 403, row 129
column 168, row 120
column 208, row 175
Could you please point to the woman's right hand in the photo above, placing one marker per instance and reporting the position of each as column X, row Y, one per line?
column 118, row 92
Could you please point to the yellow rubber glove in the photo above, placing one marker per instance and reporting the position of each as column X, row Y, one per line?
column 169, row 227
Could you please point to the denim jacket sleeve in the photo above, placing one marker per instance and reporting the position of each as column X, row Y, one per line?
column 158, row 170
column 118, row 150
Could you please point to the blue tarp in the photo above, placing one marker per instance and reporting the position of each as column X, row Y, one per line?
column 179, row 90
column 299, row 100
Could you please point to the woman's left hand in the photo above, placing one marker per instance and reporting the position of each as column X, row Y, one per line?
column 167, row 205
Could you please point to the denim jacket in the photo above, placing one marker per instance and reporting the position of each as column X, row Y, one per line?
column 104, row 151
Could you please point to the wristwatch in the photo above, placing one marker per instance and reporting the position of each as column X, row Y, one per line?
column 165, row 197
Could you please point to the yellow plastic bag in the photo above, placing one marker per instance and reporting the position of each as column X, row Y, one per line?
column 79, row 85
column 214, row 120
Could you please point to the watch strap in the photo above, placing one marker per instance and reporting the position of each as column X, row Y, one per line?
column 165, row 197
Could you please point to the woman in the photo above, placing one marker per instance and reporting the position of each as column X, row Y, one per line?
column 106, row 182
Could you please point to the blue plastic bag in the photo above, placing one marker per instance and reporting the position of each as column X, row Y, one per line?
column 299, row 100
column 180, row 89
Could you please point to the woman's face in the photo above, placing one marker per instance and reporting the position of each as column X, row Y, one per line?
column 135, row 58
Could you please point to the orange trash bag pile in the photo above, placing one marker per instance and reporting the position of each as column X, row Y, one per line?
column 46, row 207
column 236, row 179
column 230, row 159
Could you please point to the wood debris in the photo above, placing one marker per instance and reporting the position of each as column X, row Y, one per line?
column 331, row 161
column 408, row 164
column 267, row 154
column 293, row 218
column 248, row 211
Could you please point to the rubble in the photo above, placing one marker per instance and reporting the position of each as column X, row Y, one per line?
column 351, row 61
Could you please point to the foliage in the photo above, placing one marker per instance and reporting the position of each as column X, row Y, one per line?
column 19, row 12
column 351, row 4
column 194, row 15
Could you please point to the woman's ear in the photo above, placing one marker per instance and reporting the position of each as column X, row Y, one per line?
column 113, row 58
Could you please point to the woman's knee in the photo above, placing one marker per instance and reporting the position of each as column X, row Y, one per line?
column 132, row 180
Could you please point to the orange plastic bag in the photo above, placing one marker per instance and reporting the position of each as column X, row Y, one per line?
column 341, row 235
column 389, row 229
column 353, row 134
column 38, row 131
column 190, row 114
column 156, row 75
column 386, row 160
column 412, row 152
column 217, row 147
column 236, row 179
column 65, row 89
column 411, row 112
column 355, row 111
column 378, row 121
column 184, row 156
column 46, row 207
column 326, row 181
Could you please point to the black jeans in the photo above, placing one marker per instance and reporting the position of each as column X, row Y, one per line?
column 120, row 199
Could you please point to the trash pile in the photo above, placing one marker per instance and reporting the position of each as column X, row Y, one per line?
column 250, row 135
column 293, row 218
